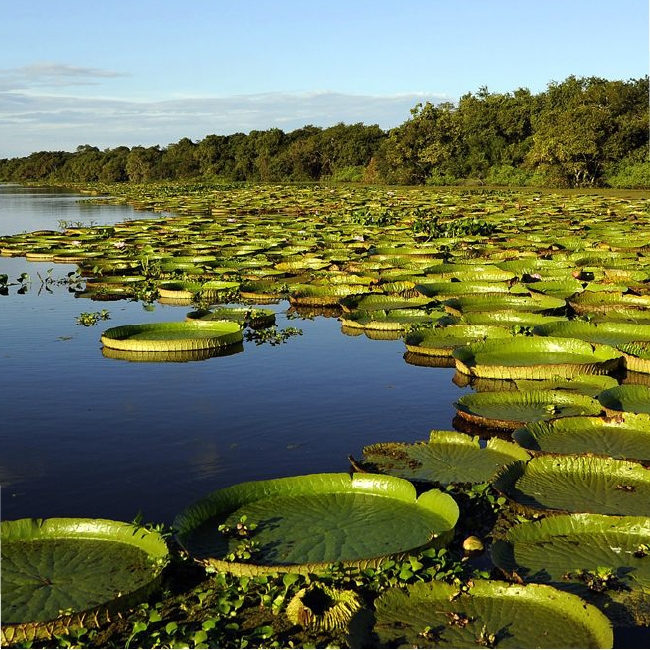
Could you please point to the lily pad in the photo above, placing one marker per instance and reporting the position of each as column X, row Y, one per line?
column 441, row 341
column 166, row 337
column 253, row 317
column 448, row 457
column 503, row 301
column 626, row 397
column 308, row 522
column 625, row 436
column 512, row 409
column 602, row 558
column 590, row 385
column 58, row 574
column 612, row 334
column 489, row 613
column 394, row 319
column 509, row 318
column 577, row 484
column 636, row 356
column 535, row 357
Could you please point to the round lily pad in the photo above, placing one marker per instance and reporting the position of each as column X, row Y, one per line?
column 590, row 385
column 602, row 558
column 393, row 319
column 503, row 301
column 59, row 574
column 448, row 457
column 535, row 357
column 489, row 613
column 604, row 333
column 626, row 397
column 624, row 436
column 253, row 317
column 512, row 409
column 303, row 523
column 441, row 341
column 577, row 484
column 166, row 337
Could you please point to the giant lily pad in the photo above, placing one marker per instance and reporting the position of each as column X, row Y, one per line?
column 590, row 385
column 166, row 337
column 625, row 436
column 626, row 397
column 489, row 613
column 612, row 334
column 512, row 409
column 636, row 356
column 255, row 318
column 58, row 574
column 441, row 341
column 577, row 484
column 603, row 558
column 448, row 457
column 393, row 319
column 307, row 522
column 535, row 357
column 503, row 301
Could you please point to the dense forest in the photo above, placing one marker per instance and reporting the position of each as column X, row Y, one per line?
column 582, row 132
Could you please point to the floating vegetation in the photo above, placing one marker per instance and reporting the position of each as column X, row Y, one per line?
column 624, row 436
column 577, row 484
column 602, row 558
column 535, row 357
column 63, row 574
column 488, row 614
column 304, row 523
column 512, row 409
column 168, row 337
column 447, row 458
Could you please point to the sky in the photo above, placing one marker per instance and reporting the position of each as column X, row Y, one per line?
column 149, row 72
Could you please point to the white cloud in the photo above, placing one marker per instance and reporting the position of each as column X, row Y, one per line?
column 53, row 75
column 45, row 122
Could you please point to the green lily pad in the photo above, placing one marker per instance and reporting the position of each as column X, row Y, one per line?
column 509, row 318
column 455, row 289
column 602, row 558
column 441, row 341
column 577, row 484
column 393, row 319
column 166, row 337
column 612, row 334
column 489, row 613
column 58, row 574
column 557, row 288
column 308, row 522
column 590, row 385
column 601, row 302
column 381, row 301
column 255, row 318
column 448, row 457
column 625, row 436
column 512, row 409
column 626, row 397
column 535, row 357
column 636, row 356
column 503, row 301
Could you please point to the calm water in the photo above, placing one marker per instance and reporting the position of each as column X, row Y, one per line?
column 84, row 435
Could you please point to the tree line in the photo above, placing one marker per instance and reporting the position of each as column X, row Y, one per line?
column 581, row 132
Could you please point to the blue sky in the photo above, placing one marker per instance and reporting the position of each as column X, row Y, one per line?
column 146, row 72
